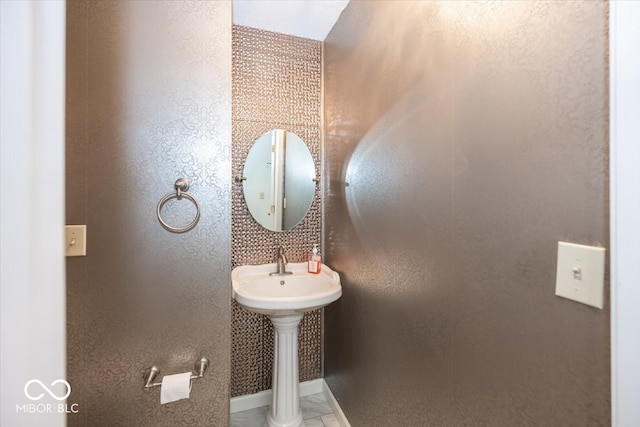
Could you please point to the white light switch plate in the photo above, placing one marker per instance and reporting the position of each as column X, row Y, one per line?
column 75, row 240
column 580, row 273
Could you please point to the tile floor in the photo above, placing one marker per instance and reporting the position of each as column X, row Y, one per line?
column 315, row 411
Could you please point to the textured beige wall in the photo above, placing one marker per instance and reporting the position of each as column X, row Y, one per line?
column 276, row 85
column 473, row 137
column 148, row 101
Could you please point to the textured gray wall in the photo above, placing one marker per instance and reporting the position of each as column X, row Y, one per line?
column 148, row 101
column 473, row 137
column 276, row 85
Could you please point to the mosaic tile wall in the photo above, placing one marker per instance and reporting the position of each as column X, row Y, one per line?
column 276, row 84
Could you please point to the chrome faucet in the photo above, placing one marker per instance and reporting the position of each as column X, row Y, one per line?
column 281, row 260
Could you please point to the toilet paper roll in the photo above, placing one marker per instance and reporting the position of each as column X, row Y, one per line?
column 175, row 387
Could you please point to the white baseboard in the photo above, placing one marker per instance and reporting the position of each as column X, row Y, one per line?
column 337, row 411
column 263, row 398
column 307, row 388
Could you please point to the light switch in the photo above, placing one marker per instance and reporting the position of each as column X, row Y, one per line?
column 580, row 273
column 75, row 240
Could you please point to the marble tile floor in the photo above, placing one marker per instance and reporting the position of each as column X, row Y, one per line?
column 315, row 411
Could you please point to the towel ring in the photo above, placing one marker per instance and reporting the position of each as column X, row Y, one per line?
column 181, row 186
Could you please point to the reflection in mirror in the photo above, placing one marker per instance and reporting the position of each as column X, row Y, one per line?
column 279, row 180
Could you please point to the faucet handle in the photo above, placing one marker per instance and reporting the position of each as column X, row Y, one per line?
column 281, row 256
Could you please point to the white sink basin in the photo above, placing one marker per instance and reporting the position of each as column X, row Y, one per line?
column 284, row 299
column 256, row 290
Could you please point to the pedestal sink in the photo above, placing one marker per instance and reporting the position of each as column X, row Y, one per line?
column 284, row 299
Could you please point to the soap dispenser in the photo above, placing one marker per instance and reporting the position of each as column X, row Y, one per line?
column 315, row 262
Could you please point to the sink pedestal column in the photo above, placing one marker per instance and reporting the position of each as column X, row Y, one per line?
column 285, row 407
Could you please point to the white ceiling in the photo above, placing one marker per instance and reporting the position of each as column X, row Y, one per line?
column 312, row 19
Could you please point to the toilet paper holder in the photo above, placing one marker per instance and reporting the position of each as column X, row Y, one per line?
column 150, row 374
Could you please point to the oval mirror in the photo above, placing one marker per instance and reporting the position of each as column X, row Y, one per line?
column 279, row 180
